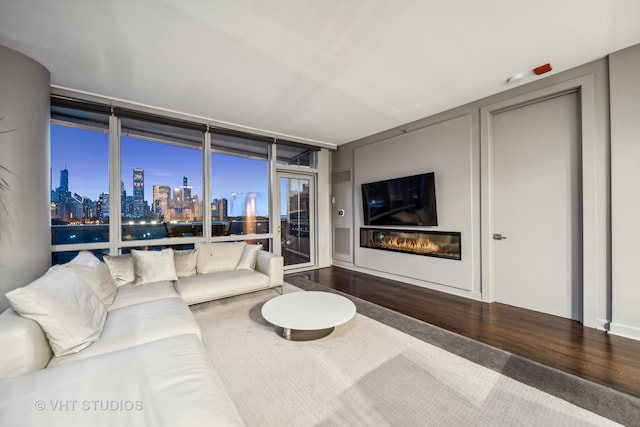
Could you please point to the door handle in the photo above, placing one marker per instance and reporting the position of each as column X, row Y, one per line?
column 499, row 237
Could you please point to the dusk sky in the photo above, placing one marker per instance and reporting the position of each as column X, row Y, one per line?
column 85, row 154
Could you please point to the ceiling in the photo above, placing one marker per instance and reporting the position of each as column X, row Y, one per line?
column 330, row 71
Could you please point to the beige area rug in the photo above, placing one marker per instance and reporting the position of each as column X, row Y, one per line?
column 364, row 374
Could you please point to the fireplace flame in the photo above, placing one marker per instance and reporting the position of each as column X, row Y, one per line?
column 425, row 246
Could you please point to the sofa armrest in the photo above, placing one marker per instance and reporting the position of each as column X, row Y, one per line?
column 23, row 345
column 271, row 265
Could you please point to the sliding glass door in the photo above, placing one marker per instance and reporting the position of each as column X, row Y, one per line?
column 297, row 231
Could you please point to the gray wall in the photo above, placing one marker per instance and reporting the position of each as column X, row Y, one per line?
column 454, row 138
column 446, row 148
column 625, row 191
column 25, row 252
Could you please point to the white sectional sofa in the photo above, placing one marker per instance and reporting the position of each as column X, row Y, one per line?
column 227, row 269
column 87, row 345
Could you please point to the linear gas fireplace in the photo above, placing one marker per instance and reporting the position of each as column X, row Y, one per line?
column 441, row 244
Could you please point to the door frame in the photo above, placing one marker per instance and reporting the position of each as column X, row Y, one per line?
column 595, row 196
column 312, row 177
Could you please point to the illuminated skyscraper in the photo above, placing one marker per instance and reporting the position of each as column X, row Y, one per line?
column 64, row 209
column 138, row 192
column 187, row 203
column 176, row 201
column 103, row 205
column 197, row 207
column 219, row 209
column 161, row 197
column 123, row 200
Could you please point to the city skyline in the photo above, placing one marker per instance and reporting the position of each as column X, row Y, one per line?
column 85, row 155
column 167, row 203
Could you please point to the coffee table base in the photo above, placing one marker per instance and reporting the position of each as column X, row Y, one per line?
column 302, row 335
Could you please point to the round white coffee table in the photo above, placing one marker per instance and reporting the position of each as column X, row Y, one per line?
column 309, row 315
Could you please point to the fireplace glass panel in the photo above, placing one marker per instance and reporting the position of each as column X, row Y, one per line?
column 441, row 244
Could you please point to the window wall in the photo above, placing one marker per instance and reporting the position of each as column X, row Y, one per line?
column 123, row 180
column 79, row 179
column 160, row 181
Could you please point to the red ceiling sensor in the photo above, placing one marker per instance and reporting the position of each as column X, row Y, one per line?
column 542, row 69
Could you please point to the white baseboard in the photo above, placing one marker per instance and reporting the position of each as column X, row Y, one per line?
column 411, row 281
column 632, row 332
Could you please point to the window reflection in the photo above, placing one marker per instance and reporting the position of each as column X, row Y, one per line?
column 239, row 190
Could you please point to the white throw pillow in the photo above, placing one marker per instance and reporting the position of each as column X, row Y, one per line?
column 121, row 268
column 213, row 257
column 154, row 266
column 66, row 308
column 96, row 275
column 186, row 261
column 249, row 257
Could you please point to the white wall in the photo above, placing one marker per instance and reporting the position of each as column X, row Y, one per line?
column 624, row 72
column 24, row 226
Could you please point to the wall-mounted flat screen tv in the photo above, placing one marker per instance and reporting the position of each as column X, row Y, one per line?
column 410, row 200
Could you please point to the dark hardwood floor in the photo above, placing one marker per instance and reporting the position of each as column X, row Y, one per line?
column 553, row 341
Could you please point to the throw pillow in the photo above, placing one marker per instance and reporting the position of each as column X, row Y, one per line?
column 249, row 257
column 154, row 266
column 213, row 257
column 186, row 261
column 96, row 275
column 66, row 308
column 121, row 268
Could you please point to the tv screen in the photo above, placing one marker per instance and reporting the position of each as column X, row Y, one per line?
column 409, row 200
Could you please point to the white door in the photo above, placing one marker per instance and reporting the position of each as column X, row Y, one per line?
column 536, row 224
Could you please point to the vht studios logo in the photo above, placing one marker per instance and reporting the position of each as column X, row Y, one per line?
column 102, row 405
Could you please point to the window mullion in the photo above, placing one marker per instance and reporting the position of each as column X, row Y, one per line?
column 115, row 187
column 206, row 187
column 274, row 201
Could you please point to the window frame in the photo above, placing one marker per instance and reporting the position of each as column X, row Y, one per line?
column 116, row 244
column 74, row 122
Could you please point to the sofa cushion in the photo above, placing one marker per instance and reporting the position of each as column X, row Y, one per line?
column 95, row 274
column 249, row 257
column 214, row 257
column 169, row 382
column 24, row 345
column 206, row 287
column 121, row 268
column 70, row 313
column 186, row 262
column 153, row 266
column 131, row 294
column 138, row 324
